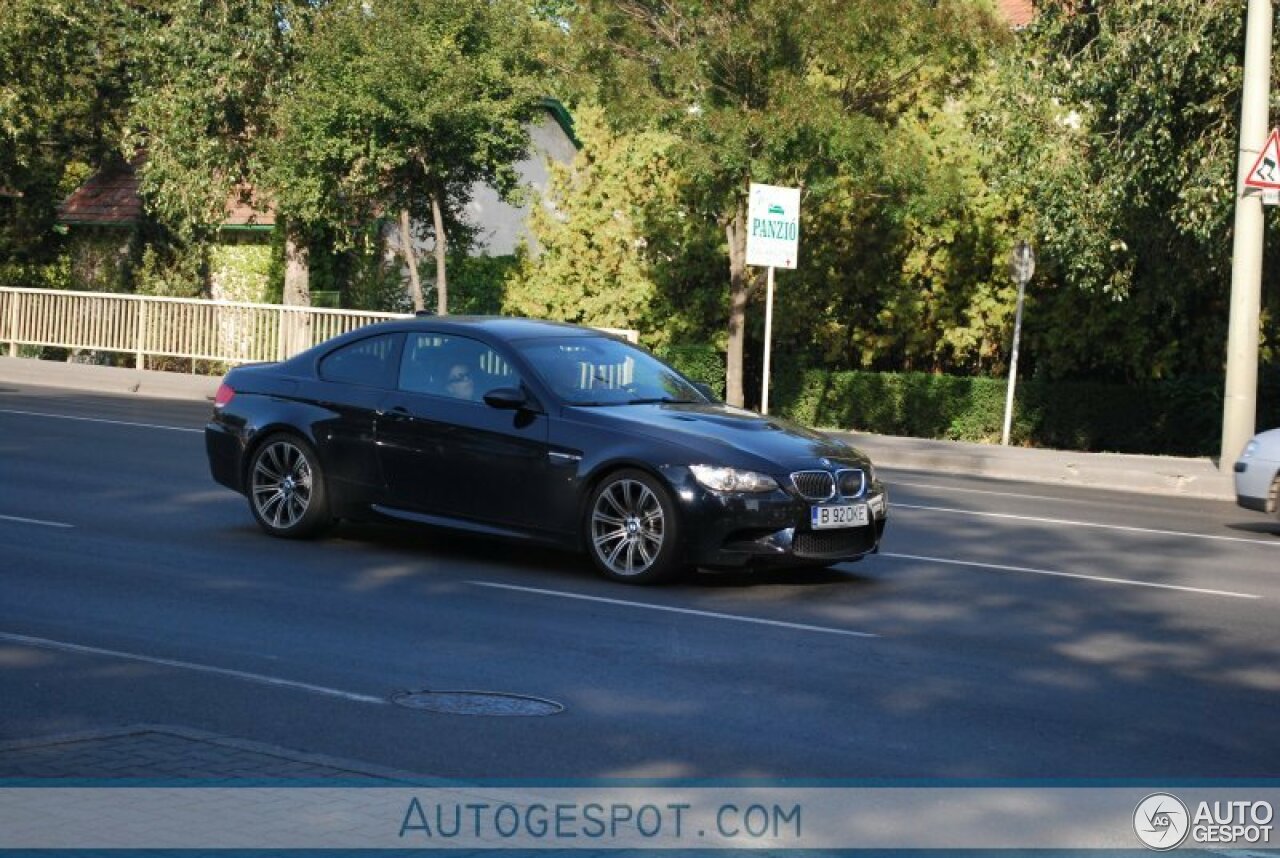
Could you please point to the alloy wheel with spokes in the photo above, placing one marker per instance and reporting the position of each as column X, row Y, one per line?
column 286, row 493
column 631, row 528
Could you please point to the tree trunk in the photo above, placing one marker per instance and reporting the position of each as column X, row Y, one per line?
column 297, row 271
column 736, row 233
column 295, row 329
column 442, row 283
column 411, row 261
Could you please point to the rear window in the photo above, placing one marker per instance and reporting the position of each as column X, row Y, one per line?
column 371, row 362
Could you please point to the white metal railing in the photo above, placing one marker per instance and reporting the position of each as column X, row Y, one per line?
column 144, row 326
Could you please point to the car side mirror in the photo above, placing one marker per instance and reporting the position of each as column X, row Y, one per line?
column 506, row 398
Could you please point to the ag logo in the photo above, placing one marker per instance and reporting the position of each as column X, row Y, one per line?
column 1161, row 822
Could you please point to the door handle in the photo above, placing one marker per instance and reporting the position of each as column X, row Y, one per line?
column 397, row 412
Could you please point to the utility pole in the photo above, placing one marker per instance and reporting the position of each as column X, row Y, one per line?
column 1240, row 399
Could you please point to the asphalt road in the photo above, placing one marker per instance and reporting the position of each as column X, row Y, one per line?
column 1006, row 631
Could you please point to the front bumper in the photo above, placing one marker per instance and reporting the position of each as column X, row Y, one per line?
column 735, row 530
column 1253, row 480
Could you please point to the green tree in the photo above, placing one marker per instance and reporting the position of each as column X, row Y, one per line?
column 788, row 94
column 65, row 78
column 218, row 72
column 606, row 213
column 1119, row 144
column 401, row 106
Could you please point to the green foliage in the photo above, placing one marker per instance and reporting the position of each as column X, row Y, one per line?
column 238, row 271
column 100, row 260
column 807, row 94
column 1174, row 417
column 698, row 362
column 1120, row 148
column 48, row 275
column 477, row 283
column 64, row 85
column 601, row 232
column 372, row 282
column 218, row 73
column 402, row 101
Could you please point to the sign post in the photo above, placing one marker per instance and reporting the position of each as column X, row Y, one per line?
column 1024, row 265
column 773, row 241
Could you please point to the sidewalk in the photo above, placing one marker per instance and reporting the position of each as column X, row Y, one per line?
column 161, row 752
column 1157, row 475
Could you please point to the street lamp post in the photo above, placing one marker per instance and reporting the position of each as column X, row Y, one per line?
column 1024, row 265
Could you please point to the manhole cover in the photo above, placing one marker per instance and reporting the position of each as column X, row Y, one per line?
column 476, row 703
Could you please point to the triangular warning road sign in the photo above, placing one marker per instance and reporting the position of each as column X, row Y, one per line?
column 1266, row 170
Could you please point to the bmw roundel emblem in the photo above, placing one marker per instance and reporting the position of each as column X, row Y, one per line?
column 826, row 463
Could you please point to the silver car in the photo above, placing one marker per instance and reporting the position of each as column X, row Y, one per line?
column 1258, row 472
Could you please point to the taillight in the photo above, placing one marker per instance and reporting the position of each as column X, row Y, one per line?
column 223, row 396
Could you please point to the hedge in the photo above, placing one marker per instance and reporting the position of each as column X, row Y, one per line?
column 699, row 362
column 1175, row 417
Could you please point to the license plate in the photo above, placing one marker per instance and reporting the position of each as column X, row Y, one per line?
column 849, row 515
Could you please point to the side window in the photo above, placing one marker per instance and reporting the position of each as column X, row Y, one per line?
column 453, row 366
column 370, row 362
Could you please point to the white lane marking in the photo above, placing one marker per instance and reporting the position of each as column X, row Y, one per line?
column 97, row 420
column 21, row 520
column 690, row 611
column 1056, row 574
column 45, row 643
column 1092, row 501
column 1274, row 543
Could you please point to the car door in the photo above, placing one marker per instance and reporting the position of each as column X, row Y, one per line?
column 445, row 452
column 352, row 380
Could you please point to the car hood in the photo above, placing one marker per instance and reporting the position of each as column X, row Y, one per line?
column 722, row 434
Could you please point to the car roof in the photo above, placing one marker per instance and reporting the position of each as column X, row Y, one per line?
column 503, row 327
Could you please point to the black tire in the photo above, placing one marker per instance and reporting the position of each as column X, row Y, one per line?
column 631, row 529
column 286, row 488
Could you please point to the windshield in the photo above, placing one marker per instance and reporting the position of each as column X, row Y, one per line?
column 604, row 371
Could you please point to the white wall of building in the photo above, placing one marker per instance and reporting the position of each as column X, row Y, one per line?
column 501, row 226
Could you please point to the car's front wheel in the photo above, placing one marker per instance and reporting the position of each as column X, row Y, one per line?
column 632, row 528
column 286, row 488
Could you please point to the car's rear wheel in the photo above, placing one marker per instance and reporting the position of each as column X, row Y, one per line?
column 286, row 488
column 632, row 529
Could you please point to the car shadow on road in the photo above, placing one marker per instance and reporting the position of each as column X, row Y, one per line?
column 811, row 576
column 543, row 560
column 1263, row 528
column 457, row 545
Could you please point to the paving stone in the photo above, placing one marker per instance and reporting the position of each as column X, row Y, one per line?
column 171, row 753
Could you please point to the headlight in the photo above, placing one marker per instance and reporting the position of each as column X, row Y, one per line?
column 1249, row 449
column 732, row 480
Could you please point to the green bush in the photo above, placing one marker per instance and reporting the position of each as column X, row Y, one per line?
column 703, row 363
column 1175, row 417
column 476, row 283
